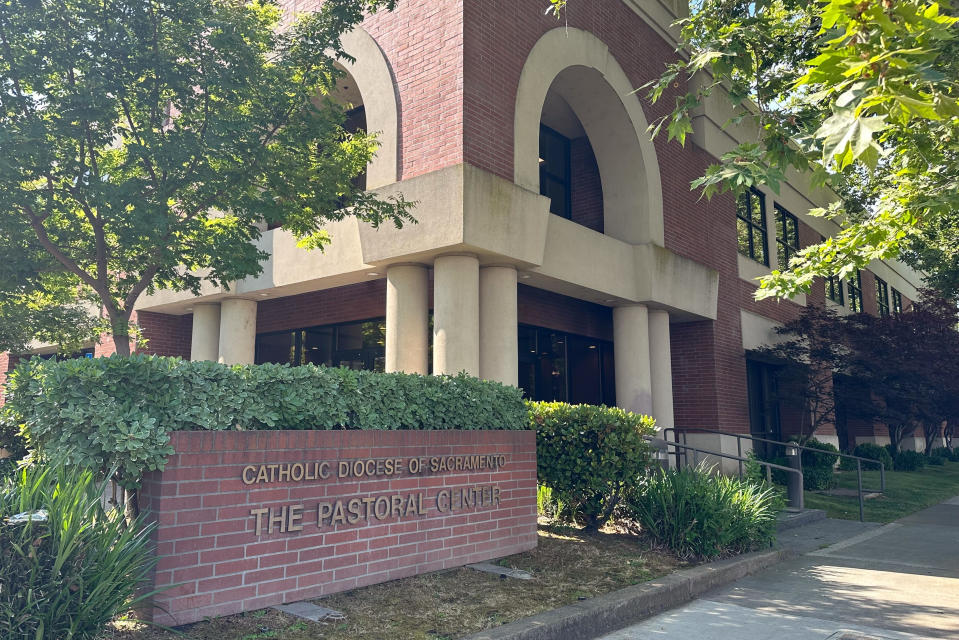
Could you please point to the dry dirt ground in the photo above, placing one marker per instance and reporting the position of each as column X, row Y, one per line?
column 567, row 565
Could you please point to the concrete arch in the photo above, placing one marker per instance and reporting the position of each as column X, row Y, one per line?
column 578, row 65
column 371, row 72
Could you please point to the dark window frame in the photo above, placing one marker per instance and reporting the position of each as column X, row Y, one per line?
column 752, row 226
column 784, row 248
column 565, row 180
column 834, row 290
column 854, row 288
column 896, row 302
column 882, row 296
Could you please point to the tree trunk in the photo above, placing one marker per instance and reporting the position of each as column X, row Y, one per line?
column 120, row 328
column 131, row 505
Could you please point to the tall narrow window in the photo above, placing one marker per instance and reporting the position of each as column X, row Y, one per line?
column 896, row 302
column 854, row 285
column 882, row 296
column 787, row 236
column 554, row 171
column 834, row 289
column 751, row 226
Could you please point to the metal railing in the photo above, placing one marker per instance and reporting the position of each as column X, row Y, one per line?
column 739, row 449
column 696, row 451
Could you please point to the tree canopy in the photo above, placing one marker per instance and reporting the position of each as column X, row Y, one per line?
column 862, row 95
column 144, row 144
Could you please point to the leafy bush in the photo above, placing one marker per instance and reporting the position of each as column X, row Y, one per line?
column 818, row 466
column 12, row 442
column 67, row 575
column 909, row 461
column 871, row 451
column 588, row 455
column 936, row 461
column 119, row 411
column 696, row 513
column 955, row 455
column 942, row 452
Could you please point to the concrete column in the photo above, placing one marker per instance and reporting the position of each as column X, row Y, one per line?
column 237, row 331
column 456, row 315
column 631, row 353
column 661, row 368
column 407, row 319
column 205, row 344
column 498, row 325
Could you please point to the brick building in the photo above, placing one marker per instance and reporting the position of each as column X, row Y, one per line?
column 556, row 248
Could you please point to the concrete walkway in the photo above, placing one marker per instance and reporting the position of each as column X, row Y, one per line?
column 853, row 582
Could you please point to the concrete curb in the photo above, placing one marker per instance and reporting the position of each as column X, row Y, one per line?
column 612, row 611
column 800, row 519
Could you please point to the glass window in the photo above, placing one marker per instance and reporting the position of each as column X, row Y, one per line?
column 751, row 226
column 896, row 302
column 787, row 236
column 562, row 367
column 882, row 296
column 834, row 289
column 554, row 171
column 854, row 286
column 355, row 345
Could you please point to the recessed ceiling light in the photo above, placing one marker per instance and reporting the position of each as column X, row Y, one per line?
column 524, row 276
column 373, row 273
column 189, row 308
column 610, row 300
column 264, row 295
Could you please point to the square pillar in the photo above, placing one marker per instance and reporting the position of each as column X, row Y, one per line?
column 456, row 315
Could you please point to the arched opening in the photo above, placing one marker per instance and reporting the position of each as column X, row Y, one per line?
column 568, row 173
column 348, row 96
column 575, row 105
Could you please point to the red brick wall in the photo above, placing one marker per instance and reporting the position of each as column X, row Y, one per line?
column 586, row 190
column 166, row 335
column 208, row 545
column 423, row 44
column 330, row 306
column 554, row 311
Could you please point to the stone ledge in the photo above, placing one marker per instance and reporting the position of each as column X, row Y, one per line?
column 609, row 612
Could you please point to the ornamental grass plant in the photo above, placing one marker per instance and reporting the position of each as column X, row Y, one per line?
column 67, row 565
column 697, row 513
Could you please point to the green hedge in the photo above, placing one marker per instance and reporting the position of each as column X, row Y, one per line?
column 588, row 456
column 119, row 411
column 871, row 451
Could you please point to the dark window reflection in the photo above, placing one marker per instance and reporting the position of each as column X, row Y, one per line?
column 355, row 345
column 559, row 366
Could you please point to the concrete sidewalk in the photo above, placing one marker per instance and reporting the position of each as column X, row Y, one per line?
column 853, row 581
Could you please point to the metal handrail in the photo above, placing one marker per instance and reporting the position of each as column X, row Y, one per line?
column 740, row 436
column 769, row 465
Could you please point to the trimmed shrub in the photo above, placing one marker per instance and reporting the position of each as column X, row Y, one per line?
column 871, row 451
column 118, row 411
column 696, row 513
column 909, row 461
column 818, row 466
column 70, row 571
column 936, row 461
column 942, row 452
column 955, row 455
column 587, row 456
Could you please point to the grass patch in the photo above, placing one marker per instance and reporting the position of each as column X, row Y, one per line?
column 906, row 493
column 567, row 565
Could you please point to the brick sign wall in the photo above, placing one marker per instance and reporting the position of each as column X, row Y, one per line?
column 252, row 519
